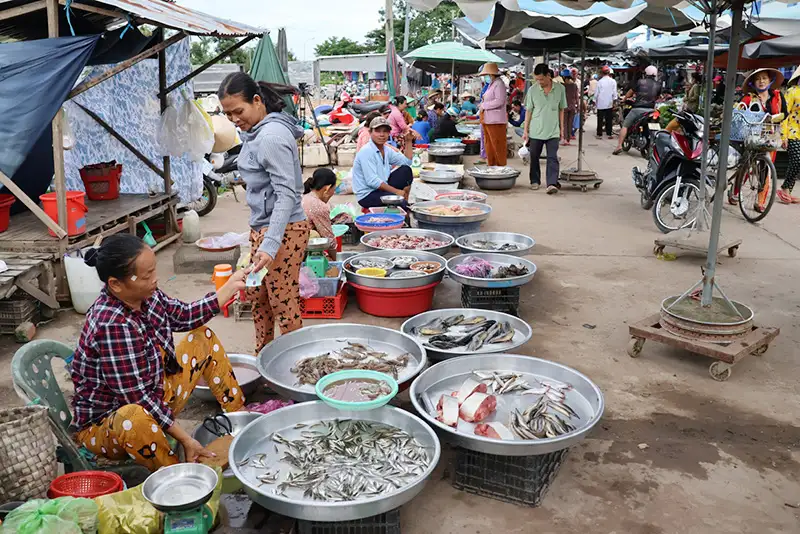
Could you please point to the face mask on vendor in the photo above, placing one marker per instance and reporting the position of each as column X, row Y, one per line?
column 487, row 79
column 762, row 82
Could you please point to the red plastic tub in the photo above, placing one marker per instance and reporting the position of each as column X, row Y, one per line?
column 5, row 210
column 395, row 302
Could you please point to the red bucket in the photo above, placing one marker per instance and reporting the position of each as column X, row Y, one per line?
column 5, row 210
column 395, row 302
column 76, row 211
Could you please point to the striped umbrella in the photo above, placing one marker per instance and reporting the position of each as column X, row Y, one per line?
column 392, row 70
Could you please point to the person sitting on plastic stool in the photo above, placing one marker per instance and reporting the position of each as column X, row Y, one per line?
column 373, row 176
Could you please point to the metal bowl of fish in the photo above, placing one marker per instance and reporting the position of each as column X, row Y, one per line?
column 450, row 211
column 409, row 239
column 507, row 404
column 441, row 176
column 464, row 196
column 493, row 173
column 499, row 242
column 392, row 281
column 496, row 184
column 463, row 331
column 368, row 261
column 404, row 262
column 490, row 270
column 292, row 363
column 313, row 462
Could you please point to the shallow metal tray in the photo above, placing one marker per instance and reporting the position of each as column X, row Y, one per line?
column 278, row 358
column 446, row 151
column 481, row 172
column 440, row 177
column 494, row 258
column 256, row 438
column 486, row 210
column 526, row 243
column 447, row 376
column 452, row 195
column 440, row 236
column 521, row 336
column 395, row 283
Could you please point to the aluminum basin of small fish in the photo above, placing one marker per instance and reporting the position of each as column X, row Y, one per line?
column 462, row 331
column 507, row 243
column 519, row 391
column 293, row 362
column 313, row 462
column 408, row 239
column 497, row 261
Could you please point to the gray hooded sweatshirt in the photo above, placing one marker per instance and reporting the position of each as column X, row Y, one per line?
column 270, row 166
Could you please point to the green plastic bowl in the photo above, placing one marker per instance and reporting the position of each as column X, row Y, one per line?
column 351, row 374
column 340, row 229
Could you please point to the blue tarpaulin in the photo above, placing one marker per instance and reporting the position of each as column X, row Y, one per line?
column 35, row 78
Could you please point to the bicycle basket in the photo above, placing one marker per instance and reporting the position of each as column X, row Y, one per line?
column 764, row 136
column 744, row 122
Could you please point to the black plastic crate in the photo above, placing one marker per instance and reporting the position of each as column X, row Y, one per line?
column 515, row 479
column 16, row 310
column 504, row 300
column 353, row 235
column 388, row 523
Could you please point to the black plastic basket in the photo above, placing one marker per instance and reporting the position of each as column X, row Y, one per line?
column 16, row 310
column 353, row 235
column 504, row 300
column 388, row 523
column 515, row 479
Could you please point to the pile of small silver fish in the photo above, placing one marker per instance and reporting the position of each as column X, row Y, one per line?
column 481, row 244
column 353, row 356
column 544, row 419
column 344, row 460
column 477, row 332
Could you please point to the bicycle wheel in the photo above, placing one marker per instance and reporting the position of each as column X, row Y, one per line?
column 757, row 185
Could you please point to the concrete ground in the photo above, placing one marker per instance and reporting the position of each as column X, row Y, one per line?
column 675, row 451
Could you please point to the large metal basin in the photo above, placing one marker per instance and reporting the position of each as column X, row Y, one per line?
column 281, row 355
column 447, row 376
column 496, row 184
column 484, row 172
column 524, row 242
column 439, row 236
column 395, row 283
column 502, row 259
column 203, row 392
column 440, row 176
column 486, row 210
column 256, row 438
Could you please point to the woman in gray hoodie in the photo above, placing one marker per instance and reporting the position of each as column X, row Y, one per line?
column 270, row 166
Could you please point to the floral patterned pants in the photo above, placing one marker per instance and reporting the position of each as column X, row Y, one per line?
column 130, row 431
column 278, row 297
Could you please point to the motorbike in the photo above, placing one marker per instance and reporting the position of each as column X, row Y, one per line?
column 639, row 135
column 671, row 183
column 218, row 170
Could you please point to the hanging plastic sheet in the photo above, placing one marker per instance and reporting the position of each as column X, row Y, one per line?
column 35, row 78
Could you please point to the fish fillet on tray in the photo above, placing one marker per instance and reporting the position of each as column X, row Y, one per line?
column 507, row 404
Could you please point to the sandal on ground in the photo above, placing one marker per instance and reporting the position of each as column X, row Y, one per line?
column 784, row 197
column 617, row 152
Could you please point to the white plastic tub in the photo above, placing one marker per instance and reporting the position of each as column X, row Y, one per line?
column 84, row 284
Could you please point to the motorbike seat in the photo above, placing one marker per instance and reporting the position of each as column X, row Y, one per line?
column 365, row 108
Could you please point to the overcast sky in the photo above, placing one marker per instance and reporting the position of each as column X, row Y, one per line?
column 307, row 22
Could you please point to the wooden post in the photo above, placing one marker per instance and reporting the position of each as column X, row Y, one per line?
column 172, row 215
column 58, row 133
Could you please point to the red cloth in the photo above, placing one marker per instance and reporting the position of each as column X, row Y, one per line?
column 118, row 360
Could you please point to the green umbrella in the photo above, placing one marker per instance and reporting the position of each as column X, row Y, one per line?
column 266, row 67
column 450, row 56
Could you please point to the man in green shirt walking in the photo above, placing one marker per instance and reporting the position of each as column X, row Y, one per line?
column 544, row 125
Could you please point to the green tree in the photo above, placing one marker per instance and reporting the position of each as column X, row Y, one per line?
column 202, row 50
column 338, row 46
column 241, row 56
column 291, row 56
column 423, row 28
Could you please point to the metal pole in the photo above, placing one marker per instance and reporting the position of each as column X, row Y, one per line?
column 452, row 79
column 580, row 100
column 404, row 81
column 722, row 168
column 700, row 221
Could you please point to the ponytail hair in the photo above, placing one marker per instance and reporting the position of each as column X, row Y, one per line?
column 322, row 177
column 399, row 100
column 116, row 257
column 240, row 83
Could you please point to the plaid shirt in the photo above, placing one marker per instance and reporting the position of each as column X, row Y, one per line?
column 118, row 360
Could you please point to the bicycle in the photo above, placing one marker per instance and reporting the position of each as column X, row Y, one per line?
column 754, row 184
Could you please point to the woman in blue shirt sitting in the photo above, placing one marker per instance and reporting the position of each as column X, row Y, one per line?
column 468, row 104
column 373, row 176
column 422, row 127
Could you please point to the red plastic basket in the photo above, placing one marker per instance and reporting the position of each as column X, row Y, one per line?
column 395, row 302
column 86, row 484
column 101, row 180
column 325, row 307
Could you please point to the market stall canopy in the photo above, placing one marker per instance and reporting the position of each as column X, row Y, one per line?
column 449, row 55
column 780, row 47
column 97, row 16
column 508, row 24
column 44, row 71
column 266, row 67
column 680, row 52
column 761, row 28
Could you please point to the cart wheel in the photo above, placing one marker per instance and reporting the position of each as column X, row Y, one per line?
column 584, row 189
column 597, row 185
column 761, row 350
column 732, row 251
column 720, row 371
column 658, row 250
column 635, row 346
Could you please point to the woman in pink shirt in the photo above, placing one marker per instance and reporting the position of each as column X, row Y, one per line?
column 494, row 117
column 401, row 131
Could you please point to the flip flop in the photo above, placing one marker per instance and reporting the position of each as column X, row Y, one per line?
column 617, row 152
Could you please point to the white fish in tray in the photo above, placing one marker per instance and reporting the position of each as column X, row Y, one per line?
column 447, row 410
column 478, row 407
column 469, row 387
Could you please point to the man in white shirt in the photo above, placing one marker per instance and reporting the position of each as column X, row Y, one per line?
column 605, row 95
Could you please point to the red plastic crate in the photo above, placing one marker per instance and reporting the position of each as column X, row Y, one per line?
column 325, row 307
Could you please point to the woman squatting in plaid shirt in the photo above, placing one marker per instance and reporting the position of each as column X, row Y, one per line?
column 130, row 378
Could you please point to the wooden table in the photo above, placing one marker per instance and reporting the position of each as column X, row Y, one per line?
column 23, row 270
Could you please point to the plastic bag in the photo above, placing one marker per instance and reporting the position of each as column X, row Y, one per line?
column 524, row 153
column 200, row 135
column 309, row 286
column 344, row 213
column 65, row 515
column 68, row 138
column 170, row 133
column 127, row 512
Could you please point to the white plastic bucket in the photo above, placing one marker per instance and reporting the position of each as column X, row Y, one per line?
column 84, row 284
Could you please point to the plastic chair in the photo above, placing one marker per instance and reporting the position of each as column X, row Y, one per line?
column 32, row 375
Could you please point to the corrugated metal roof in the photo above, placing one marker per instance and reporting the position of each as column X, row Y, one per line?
column 178, row 17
